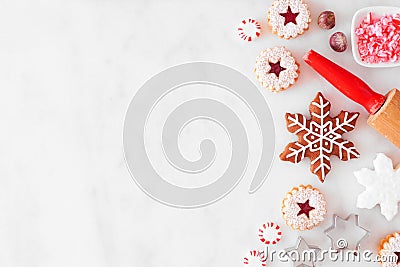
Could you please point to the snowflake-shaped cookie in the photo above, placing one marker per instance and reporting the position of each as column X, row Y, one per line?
column 382, row 187
column 320, row 137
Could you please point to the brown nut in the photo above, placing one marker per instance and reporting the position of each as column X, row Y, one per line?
column 326, row 20
column 338, row 42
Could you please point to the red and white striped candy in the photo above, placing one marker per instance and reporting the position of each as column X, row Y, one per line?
column 249, row 29
column 378, row 38
column 255, row 258
column 270, row 233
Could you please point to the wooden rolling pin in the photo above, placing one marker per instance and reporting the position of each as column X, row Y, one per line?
column 384, row 110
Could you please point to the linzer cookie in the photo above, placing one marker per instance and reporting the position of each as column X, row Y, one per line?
column 304, row 207
column 320, row 137
column 289, row 18
column 276, row 69
column 389, row 250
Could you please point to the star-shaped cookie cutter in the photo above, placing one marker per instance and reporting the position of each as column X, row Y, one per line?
column 340, row 237
column 299, row 250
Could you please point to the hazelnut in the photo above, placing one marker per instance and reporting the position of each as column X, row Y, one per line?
column 326, row 20
column 338, row 42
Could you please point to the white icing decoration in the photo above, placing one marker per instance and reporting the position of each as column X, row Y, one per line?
column 332, row 138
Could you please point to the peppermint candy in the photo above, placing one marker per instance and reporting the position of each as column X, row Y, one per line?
column 255, row 258
column 249, row 29
column 270, row 233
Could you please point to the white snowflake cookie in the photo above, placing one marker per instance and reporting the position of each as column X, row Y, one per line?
column 289, row 18
column 382, row 187
column 304, row 207
column 389, row 250
column 276, row 69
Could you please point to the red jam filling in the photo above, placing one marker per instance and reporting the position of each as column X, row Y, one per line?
column 276, row 68
column 305, row 208
column 289, row 16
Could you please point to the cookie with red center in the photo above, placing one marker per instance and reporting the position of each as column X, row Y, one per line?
column 276, row 69
column 289, row 18
column 389, row 250
column 304, row 207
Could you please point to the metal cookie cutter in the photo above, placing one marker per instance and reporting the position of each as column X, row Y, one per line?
column 297, row 256
column 346, row 233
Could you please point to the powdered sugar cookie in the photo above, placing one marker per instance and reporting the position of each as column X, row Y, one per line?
column 289, row 18
column 276, row 69
column 304, row 207
column 389, row 250
column 382, row 187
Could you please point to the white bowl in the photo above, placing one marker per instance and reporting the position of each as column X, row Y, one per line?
column 377, row 11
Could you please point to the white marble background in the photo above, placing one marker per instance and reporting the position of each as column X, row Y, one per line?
column 68, row 70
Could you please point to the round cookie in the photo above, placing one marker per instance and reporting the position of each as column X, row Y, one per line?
column 289, row 18
column 276, row 69
column 389, row 250
column 304, row 207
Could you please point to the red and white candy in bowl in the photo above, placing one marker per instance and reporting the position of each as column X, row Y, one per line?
column 375, row 36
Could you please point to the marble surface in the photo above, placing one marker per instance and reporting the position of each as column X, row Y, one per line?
column 68, row 72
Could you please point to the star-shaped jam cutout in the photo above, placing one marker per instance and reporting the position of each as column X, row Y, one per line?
column 305, row 208
column 397, row 253
column 289, row 16
column 276, row 68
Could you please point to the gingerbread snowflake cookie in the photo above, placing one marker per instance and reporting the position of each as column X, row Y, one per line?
column 276, row 69
column 382, row 187
column 289, row 18
column 304, row 207
column 320, row 137
column 389, row 250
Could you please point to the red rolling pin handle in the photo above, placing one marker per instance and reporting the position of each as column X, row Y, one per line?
column 346, row 82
